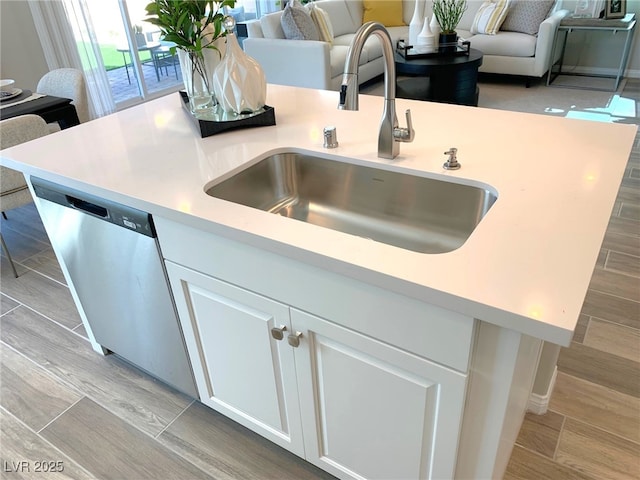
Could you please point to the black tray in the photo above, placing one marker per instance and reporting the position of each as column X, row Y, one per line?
column 403, row 49
column 224, row 121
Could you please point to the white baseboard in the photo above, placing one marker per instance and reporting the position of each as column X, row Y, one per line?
column 569, row 69
column 538, row 404
column 632, row 73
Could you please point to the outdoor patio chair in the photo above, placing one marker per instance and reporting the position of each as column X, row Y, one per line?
column 164, row 59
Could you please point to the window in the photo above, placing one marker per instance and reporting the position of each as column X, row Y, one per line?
column 123, row 57
column 139, row 65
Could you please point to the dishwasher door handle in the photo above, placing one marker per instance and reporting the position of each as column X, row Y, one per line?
column 88, row 207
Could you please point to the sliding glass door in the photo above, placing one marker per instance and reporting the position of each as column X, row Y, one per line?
column 139, row 65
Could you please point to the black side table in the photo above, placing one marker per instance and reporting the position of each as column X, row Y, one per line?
column 441, row 78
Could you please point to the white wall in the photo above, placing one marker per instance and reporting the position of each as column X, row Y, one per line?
column 21, row 56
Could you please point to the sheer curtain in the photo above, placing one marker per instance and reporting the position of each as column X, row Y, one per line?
column 66, row 34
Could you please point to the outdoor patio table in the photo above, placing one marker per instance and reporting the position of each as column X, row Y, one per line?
column 163, row 58
column 148, row 47
column 52, row 109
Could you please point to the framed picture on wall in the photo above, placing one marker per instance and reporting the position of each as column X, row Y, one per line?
column 615, row 9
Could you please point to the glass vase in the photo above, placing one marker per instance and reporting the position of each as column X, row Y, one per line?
column 197, row 72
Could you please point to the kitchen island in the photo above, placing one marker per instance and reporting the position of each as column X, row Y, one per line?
column 457, row 335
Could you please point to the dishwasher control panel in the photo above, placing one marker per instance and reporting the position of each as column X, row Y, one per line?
column 112, row 212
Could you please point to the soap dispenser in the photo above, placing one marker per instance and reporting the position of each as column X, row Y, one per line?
column 239, row 82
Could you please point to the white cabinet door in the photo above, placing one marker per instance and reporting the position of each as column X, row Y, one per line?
column 370, row 410
column 240, row 369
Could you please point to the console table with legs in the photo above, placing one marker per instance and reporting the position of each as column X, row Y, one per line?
column 568, row 25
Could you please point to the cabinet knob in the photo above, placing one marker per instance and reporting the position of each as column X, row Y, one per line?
column 294, row 339
column 278, row 332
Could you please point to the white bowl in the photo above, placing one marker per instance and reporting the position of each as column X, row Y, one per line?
column 6, row 85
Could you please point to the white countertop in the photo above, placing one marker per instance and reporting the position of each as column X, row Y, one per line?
column 526, row 266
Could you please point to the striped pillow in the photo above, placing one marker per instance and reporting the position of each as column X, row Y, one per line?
column 322, row 21
column 490, row 16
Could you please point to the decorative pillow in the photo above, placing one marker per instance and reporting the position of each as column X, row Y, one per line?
column 387, row 12
column 297, row 24
column 322, row 22
column 526, row 16
column 490, row 16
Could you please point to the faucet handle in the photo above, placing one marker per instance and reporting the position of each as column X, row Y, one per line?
column 405, row 134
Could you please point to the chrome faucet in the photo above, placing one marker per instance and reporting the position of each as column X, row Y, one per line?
column 390, row 133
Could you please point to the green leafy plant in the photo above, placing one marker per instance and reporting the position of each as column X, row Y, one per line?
column 193, row 25
column 448, row 13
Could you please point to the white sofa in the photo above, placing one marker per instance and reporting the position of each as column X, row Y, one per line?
column 317, row 64
column 514, row 53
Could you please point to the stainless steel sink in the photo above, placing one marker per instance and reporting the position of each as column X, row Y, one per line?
column 416, row 213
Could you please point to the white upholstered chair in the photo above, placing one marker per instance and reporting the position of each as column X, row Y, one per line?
column 13, row 188
column 67, row 83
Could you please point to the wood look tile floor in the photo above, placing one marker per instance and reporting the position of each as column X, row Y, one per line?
column 99, row 417
column 592, row 428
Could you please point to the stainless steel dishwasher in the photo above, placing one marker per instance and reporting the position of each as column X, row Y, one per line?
column 113, row 259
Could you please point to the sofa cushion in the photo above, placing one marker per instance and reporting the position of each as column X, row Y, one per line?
column 345, row 40
column 297, row 24
column 387, row 12
column 371, row 50
column 322, row 22
column 397, row 33
column 271, row 26
column 490, row 16
column 469, row 15
column 254, row 30
column 341, row 19
column 339, row 57
column 508, row 44
column 526, row 16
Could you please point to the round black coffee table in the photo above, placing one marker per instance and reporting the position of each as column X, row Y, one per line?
column 441, row 78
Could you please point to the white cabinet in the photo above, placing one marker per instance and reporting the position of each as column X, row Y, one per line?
column 376, row 386
column 370, row 410
column 352, row 405
column 240, row 369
